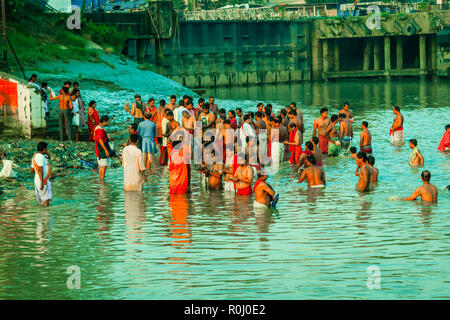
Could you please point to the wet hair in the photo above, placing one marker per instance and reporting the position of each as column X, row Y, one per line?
column 362, row 155
column 185, row 97
column 353, row 149
column 222, row 110
column 259, row 114
column 44, row 85
column 426, row 175
column 283, row 112
column 169, row 113
column 104, row 119
column 447, row 127
column 185, row 113
column 309, row 145
column 334, row 117
column 206, row 106
column 134, row 138
column 92, row 103
column 34, row 75
column 322, row 110
column 397, row 108
column 371, row 160
column 247, row 117
column 259, row 104
column 211, row 97
column 65, row 89
column 239, row 109
column 42, row 146
column 162, row 102
column 74, row 92
column 173, row 97
column 414, row 142
column 147, row 115
column 76, row 83
column 166, row 110
column 68, row 82
column 293, row 112
column 189, row 103
column 181, row 103
column 315, row 140
column 134, row 126
column 365, row 124
column 293, row 104
column 150, row 100
column 311, row 159
column 226, row 121
column 232, row 113
column 346, row 103
column 342, row 115
column 137, row 96
column 201, row 100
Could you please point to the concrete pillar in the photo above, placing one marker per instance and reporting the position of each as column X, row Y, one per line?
column 325, row 59
column 399, row 45
column 423, row 55
column 336, row 55
column 433, row 55
column 387, row 56
column 376, row 54
column 368, row 48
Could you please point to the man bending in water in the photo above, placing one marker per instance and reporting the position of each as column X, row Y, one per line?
column 348, row 114
column 264, row 192
column 363, row 171
column 427, row 192
column 313, row 174
column 365, row 140
column 370, row 163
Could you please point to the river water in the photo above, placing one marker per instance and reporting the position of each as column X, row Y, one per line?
column 318, row 244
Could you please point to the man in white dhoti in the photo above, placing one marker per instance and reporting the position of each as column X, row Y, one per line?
column 42, row 185
column 396, row 131
column 133, row 170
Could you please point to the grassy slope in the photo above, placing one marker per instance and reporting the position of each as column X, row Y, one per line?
column 41, row 37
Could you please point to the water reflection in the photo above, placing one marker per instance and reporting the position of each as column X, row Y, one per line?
column 105, row 216
column 179, row 226
column 135, row 209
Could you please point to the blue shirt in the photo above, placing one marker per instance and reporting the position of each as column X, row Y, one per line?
column 147, row 129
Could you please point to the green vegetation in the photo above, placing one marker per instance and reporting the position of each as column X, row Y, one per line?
column 37, row 36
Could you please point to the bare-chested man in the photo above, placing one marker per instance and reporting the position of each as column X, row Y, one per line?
column 243, row 178
column 365, row 140
column 300, row 124
column 215, row 176
column 345, row 110
column 206, row 117
column 316, row 152
column 264, row 192
column 345, row 132
column 313, row 174
column 427, row 192
column 415, row 157
column 137, row 109
column 322, row 123
column 173, row 103
column 363, row 171
column 371, row 163
column 65, row 109
column 396, row 131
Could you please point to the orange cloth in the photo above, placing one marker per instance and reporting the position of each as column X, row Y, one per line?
column 445, row 142
column 178, row 173
column 323, row 144
column 244, row 192
column 295, row 150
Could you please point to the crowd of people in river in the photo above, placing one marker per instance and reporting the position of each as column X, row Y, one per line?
column 230, row 147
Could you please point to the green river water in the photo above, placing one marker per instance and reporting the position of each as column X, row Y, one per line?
column 318, row 244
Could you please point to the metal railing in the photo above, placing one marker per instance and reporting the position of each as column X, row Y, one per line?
column 264, row 13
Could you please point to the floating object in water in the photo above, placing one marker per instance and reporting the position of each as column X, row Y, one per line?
column 395, row 198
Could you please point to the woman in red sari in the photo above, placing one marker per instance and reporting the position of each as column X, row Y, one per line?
column 93, row 119
column 178, row 170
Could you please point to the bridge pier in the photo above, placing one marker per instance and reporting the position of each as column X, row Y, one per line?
column 336, row 55
column 423, row 55
column 326, row 57
column 368, row 48
column 376, row 54
column 399, row 55
column 387, row 57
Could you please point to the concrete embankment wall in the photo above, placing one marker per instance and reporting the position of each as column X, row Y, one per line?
column 224, row 53
column 22, row 110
